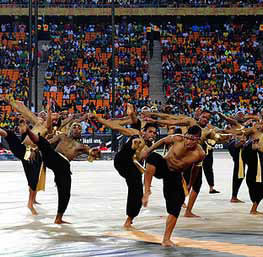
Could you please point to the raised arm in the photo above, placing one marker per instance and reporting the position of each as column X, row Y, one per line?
column 131, row 113
column 49, row 120
column 26, row 113
column 229, row 120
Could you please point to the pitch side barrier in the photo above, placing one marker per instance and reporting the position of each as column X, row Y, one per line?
column 96, row 140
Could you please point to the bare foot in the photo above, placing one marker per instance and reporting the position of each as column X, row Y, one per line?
column 128, row 224
column 32, row 209
column 256, row 213
column 129, row 227
column 60, row 221
column 236, row 200
column 168, row 243
column 189, row 214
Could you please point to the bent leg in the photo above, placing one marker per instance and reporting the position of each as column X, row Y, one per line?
column 148, row 175
column 193, row 196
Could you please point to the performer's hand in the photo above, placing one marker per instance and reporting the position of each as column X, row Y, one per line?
column 94, row 153
column 145, row 199
column 136, row 143
column 32, row 156
column 130, row 109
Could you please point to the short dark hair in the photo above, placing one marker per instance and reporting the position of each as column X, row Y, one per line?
column 148, row 125
column 206, row 111
column 178, row 131
column 194, row 130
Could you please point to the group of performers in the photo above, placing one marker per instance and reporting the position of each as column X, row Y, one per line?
column 51, row 141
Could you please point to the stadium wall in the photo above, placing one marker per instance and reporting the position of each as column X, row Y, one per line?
column 136, row 11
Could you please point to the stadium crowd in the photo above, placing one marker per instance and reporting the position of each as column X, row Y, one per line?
column 135, row 3
column 218, row 68
column 213, row 66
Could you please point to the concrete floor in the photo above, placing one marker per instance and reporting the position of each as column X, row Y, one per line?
column 97, row 208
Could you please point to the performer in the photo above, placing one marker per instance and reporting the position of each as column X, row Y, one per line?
column 183, row 153
column 58, row 160
column 253, row 157
column 126, row 162
column 31, row 166
column 235, row 148
column 26, row 151
column 207, row 133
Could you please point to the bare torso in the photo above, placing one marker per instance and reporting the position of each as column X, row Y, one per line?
column 180, row 158
column 69, row 147
column 37, row 129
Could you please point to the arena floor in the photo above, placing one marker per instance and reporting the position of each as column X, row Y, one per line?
column 97, row 209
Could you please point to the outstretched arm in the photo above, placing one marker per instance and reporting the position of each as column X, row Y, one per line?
column 229, row 120
column 113, row 125
column 165, row 116
column 165, row 140
column 181, row 122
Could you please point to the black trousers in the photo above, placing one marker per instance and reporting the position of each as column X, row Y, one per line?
column 236, row 182
column 172, row 184
column 31, row 167
column 255, row 189
column 61, row 168
column 133, row 178
column 208, row 168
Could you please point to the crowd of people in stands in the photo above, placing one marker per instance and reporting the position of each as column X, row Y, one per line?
column 136, row 3
column 217, row 68
column 14, row 61
column 80, row 60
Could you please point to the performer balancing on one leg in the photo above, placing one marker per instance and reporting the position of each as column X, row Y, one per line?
column 126, row 162
column 183, row 153
column 58, row 160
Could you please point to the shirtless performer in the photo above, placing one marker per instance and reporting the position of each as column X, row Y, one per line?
column 207, row 144
column 207, row 133
column 184, row 152
column 125, row 163
column 58, row 161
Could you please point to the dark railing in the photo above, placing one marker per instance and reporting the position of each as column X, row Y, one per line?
column 131, row 4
